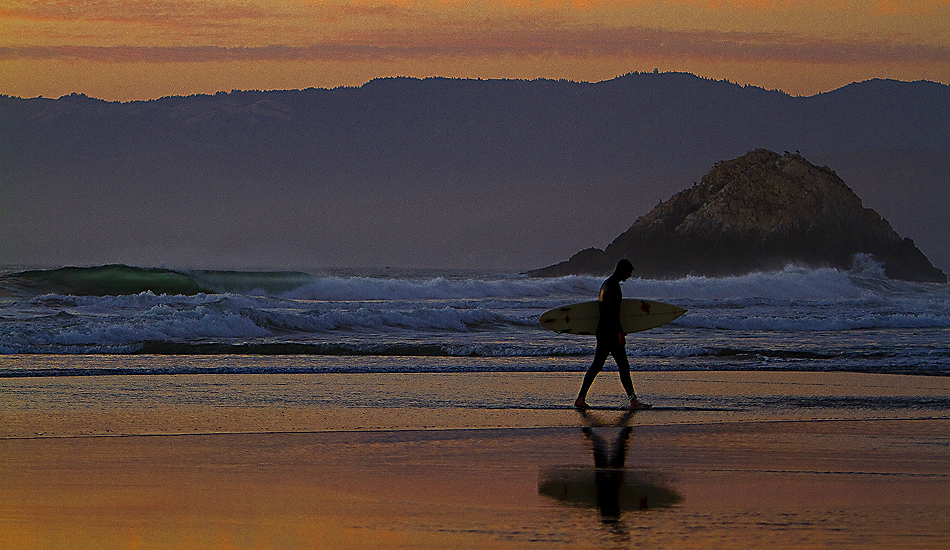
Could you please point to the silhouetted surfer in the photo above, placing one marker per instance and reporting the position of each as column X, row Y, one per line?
column 610, row 338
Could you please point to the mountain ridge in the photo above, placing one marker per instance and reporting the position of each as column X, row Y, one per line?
column 453, row 172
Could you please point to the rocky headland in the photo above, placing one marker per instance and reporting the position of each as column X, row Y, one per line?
column 759, row 212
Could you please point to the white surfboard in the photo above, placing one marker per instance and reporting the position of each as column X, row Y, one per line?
column 635, row 316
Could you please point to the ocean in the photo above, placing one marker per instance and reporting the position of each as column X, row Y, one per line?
column 441, row 321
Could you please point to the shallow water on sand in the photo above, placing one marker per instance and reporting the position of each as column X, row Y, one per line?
column 476, row 489
column 726, row 460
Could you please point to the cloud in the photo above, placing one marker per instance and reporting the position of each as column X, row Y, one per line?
column 187, row 13
column 133, row 11
column 494, row 40
column 914, row 7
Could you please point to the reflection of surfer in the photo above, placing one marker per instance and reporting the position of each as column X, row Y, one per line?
column 609, row 470
column 610, row 338
column 610, row 487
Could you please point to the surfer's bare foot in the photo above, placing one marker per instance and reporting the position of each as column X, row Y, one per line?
column 637, row 405
column 581, row 404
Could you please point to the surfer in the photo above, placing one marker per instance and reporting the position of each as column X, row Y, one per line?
column 610, row 338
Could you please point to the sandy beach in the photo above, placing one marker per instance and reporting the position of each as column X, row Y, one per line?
column 270, row 461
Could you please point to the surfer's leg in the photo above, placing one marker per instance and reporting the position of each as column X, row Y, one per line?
column 600, row 357
column 599, row 446
column 619, row 457
column 623, row 365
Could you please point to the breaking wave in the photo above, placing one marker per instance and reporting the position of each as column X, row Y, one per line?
column 797, row 316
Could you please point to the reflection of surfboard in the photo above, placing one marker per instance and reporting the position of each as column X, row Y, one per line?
column 632, row 489
column 635, row 315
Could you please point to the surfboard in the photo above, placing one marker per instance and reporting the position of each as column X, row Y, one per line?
column 635, row 316
column 628, row 489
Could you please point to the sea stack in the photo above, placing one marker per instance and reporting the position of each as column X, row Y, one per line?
column 759, row 212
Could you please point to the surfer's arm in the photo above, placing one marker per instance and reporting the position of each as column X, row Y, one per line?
column 612, row 302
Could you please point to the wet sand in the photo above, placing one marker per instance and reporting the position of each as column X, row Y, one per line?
column 827, row 460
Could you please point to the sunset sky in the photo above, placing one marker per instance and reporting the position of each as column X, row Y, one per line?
column 141, row 49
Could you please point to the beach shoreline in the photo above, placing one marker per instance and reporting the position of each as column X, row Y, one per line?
column 245, row 461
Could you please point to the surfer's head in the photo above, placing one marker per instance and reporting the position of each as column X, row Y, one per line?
column 624, row 269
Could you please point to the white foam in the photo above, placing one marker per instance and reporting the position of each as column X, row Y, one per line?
column 441, row 288
column 456, row 310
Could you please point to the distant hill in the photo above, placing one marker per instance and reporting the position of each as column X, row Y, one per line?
column 437, row 172
column 759, row 212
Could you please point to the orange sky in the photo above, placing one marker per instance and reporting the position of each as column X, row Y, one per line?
column 141, row 49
